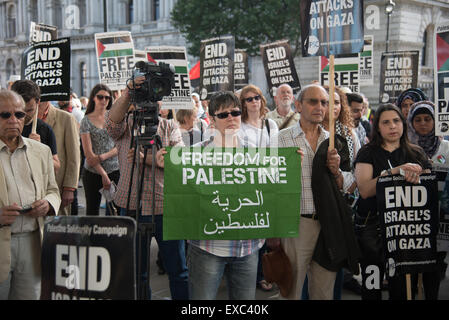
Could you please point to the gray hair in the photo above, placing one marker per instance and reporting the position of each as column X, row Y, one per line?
column 9, row 95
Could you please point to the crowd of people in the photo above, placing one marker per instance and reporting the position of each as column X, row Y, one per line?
column 47, row 149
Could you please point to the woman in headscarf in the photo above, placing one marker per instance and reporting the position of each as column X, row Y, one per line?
column 421, row 120
column 405, row 101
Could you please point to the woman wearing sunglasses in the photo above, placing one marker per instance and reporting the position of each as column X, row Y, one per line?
column 256, row 130
column 101, row 165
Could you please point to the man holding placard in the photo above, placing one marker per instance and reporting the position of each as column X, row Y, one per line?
column 308, row 136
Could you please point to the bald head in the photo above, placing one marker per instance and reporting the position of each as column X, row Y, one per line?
column 11, row 97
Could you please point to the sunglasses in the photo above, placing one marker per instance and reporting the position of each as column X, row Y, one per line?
column 101, row 97
column 224, row 115
column 7, row 115
column 257, row 98
column 315, row 102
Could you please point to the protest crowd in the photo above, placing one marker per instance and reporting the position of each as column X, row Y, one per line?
column 53, row 150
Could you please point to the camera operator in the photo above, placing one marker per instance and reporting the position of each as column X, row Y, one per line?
column 119, row 126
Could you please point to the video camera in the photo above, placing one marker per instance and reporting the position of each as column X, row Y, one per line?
column 159, row 81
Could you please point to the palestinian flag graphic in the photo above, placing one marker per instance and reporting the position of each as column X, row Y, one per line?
column 115, row 57
column 442, row 43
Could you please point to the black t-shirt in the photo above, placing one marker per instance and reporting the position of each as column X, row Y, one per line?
column 380, row 159
column 45, row 131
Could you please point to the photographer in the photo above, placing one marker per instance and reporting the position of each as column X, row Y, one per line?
column 119, row 125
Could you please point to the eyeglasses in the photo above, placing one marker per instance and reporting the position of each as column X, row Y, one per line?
column 224, row 115
column 257, row 98
column 101, row 97
column 7, row 115
column 315, row 102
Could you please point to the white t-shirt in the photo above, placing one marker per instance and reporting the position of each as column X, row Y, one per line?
column 258, row 137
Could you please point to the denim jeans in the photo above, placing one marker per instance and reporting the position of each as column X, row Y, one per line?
column 173, row 257
column 206, row 271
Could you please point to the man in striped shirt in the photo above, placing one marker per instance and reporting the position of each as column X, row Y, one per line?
column 307, row 134
column 173, row 252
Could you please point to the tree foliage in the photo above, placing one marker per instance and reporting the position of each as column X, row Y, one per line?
column 252, row 22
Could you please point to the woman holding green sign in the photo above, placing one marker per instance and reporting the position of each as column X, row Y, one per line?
column 209, row 260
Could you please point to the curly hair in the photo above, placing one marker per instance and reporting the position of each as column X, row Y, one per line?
column 345, row 116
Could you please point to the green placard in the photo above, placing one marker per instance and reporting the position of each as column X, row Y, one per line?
column 231, row 194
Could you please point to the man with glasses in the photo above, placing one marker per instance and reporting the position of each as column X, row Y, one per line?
column 66, row 131
column 31, row 94
column 283, row 115
column 28, row 193
column 307, row 134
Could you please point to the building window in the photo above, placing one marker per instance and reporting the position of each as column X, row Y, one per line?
column 83, row 12
column 11, row 21
column 155, row 10
column 33, row 11
column 427, row 49
column 130, row 12
column 10, row 69
column 83, row 79
column 57, row 14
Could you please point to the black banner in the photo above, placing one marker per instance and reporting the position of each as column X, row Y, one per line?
column 331, row 27
column 241, row 77
column 409, row 223
column 217, row 66
column 279, row 66
column 48, row 65
column 399, row 72
column 88, row 258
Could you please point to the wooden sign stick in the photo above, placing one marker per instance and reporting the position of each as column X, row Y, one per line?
column 409, row 286
column 33, row 128
column 331, row 102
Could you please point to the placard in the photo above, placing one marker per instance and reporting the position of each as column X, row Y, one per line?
column 88, row 258
column 441, row 75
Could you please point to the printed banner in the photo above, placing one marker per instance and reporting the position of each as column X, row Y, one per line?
column 231, row 194
column 441, row 74
column 279, row 66
column 88, row 258
column 217, row 66
column 241, row 77
column 115, row 58
column 42, row 33
column 409, row 223
column 441, row 169
column 331, row 27
column 180, row 94
column 346, row 71
column 48, row 65
column 399, row 72
column 366, row 73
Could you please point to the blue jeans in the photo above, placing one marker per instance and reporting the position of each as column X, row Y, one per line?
column 206, row 271
column 173, row 257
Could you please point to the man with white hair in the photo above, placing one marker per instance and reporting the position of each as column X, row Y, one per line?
column 283, row 115
column 28, row 193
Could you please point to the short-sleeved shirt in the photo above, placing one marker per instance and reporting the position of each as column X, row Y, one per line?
column 45, row 131
column 381, row 159
column 170, row 135
column 101, row 143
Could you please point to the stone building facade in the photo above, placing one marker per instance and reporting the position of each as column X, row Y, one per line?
column 411, row 28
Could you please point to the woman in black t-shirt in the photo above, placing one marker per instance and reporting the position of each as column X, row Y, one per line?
column 388, row 151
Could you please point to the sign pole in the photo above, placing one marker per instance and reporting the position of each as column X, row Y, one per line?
column 331, row 101
column 409, row 286
column 420, row 286
column 33, row 129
